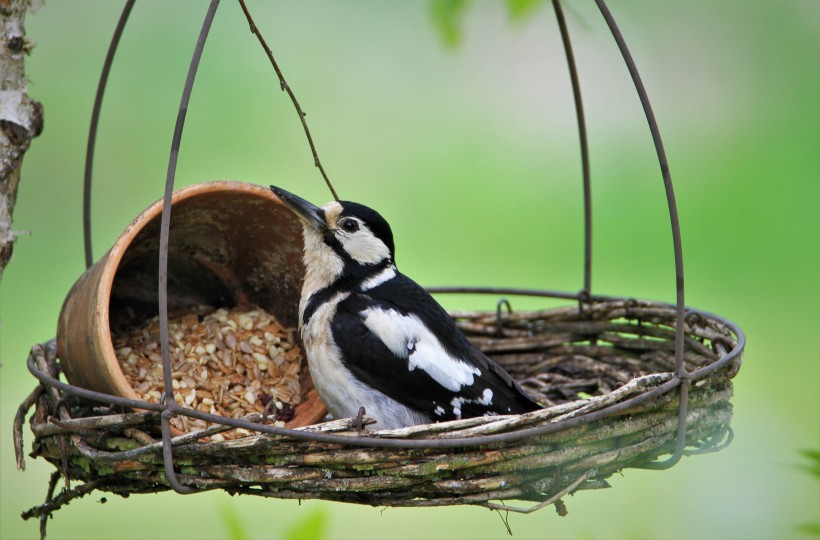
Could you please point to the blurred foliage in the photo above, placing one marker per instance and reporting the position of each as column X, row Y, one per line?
column 519, row 10
column 313, row 526
column 813, row 465
column 448, row 16
column 812, row 529
column 473, row 158
column 234, row 526
column 813, row 468
column 309, row 525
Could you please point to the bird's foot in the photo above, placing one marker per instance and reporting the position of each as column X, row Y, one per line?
column 358, row 422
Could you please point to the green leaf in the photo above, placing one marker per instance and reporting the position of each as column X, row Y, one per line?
column 313, row 526
column 232, row 521
column 811, row 529
column 813, row 467
column 447, row 16
column 814, row 462
column 519, row 10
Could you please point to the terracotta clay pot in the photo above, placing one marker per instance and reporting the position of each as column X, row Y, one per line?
column 230, row 244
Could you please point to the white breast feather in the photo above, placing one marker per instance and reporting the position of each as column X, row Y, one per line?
column 407, row 337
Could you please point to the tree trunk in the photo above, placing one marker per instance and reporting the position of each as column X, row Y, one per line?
column 21, row 118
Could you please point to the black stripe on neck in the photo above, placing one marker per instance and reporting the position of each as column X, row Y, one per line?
column 351, row 280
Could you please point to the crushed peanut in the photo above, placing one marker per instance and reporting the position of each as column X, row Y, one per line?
column 227, row 362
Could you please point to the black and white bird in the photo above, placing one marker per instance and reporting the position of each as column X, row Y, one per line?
column 375, row 339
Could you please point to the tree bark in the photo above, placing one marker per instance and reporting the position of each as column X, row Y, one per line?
column 21, row 118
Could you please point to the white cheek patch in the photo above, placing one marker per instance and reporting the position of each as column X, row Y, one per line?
column 363, row 246
column 407, row 337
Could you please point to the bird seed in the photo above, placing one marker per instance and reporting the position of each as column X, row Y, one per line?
column 226, row 362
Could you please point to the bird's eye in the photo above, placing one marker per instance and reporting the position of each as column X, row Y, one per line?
column 350, row 225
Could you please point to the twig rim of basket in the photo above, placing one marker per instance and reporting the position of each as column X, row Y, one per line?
column 570, row 435
column 672, row 381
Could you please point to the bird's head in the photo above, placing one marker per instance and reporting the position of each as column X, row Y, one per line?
column 341, row 233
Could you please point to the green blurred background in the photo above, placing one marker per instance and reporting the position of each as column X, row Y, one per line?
column 471, row 153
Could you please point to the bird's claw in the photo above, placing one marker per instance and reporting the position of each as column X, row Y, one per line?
column 358, row 422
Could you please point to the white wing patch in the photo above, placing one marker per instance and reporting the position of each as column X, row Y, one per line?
column 486, row 399
column 407, row 337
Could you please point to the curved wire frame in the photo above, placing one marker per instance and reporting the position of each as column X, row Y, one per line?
column 169, row 406
column 92, row 131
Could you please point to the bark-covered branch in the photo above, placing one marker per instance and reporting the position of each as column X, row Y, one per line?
column 21, row 118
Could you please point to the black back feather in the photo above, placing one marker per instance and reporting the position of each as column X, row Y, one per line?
column 373, row 363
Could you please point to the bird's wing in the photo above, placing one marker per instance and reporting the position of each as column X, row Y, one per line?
column 435, row 316
column 418, row 357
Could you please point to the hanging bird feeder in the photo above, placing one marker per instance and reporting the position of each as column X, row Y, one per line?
column 624, row 382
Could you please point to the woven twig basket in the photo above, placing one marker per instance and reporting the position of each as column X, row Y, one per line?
column 609, row 359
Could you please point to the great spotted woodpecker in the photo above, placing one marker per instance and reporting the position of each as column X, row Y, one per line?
column 375, row 339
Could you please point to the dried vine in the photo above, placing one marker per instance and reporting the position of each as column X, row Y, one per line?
column 287, row 88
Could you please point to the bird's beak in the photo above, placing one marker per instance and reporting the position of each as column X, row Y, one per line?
column 308, row 212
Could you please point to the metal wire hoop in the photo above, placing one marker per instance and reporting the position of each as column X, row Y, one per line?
column 169, row 406
column 92, row 130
